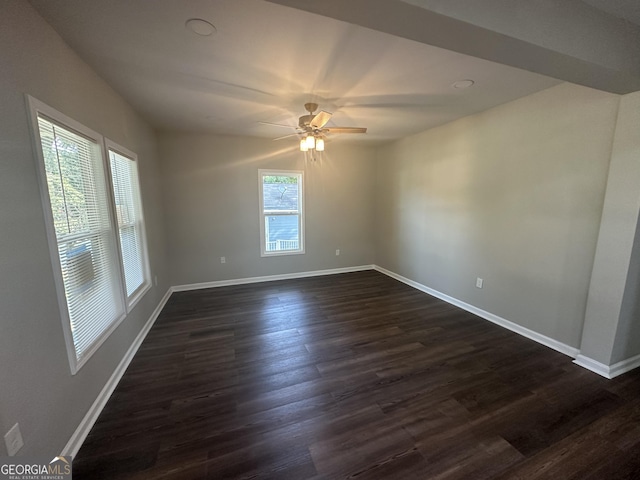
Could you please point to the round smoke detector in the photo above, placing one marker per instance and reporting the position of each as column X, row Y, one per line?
column 462, row 84
column 200, row 27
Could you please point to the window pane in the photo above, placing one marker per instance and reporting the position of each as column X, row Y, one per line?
column 129, row 216
column 280, row 193
column 69, row 164
column 281, row 203
column 54, row 180
column 282, row 232
column 77, row 171
column 90, row 289
column 77, row 190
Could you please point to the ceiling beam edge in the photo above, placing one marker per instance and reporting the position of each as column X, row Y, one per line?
column 421, row 25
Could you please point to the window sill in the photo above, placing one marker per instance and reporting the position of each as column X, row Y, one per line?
column 282, row 253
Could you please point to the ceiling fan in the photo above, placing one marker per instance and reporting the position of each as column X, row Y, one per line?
column 312, row 130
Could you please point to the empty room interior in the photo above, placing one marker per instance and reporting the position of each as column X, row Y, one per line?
column 329, row 239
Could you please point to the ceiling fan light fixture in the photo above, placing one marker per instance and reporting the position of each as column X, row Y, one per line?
column 311, row 129
column 311, row 142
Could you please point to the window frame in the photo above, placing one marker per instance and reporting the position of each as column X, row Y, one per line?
column 36, row 109
column 300, row 212
column 136, row 295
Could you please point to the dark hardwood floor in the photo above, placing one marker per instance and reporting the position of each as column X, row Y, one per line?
column 354, row 376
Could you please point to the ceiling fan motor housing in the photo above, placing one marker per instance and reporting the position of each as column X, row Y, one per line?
column 305, row 121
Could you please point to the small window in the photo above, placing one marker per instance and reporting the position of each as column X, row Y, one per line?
column 281, row 212
column 130, row 221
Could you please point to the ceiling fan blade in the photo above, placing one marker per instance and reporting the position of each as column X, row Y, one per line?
column 345, row 130
column 277, row 125
column 286, row 136
column 320, row 119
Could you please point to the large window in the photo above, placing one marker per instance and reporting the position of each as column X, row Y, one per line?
column 91, row 267
column 281, row 212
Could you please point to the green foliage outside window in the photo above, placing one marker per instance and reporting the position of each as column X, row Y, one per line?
column 67, row 184
column 279, row 179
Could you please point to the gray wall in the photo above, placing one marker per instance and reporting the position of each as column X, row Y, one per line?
column 611, row 292
column 513, row 195
column 627, row 340
column 37, row 389
column 211, row 198
column 623, row 244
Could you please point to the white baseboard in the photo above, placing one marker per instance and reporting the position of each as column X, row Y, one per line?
column 608, row 371
column 624, row 366
column 269, row 278
column 75, row 442
column 514, row 327
column 593, row 365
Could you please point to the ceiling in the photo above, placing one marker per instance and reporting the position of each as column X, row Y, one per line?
column 266, row 60
column 628, row 10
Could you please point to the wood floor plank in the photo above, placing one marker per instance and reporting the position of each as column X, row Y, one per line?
column 354, row 376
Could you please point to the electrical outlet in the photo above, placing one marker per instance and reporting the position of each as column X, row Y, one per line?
column 337, row 252
column 479, row 282
column 13, row 440
column 223, row 259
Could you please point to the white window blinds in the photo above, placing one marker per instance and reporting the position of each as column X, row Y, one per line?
column 78, row 196
column 124, row 175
